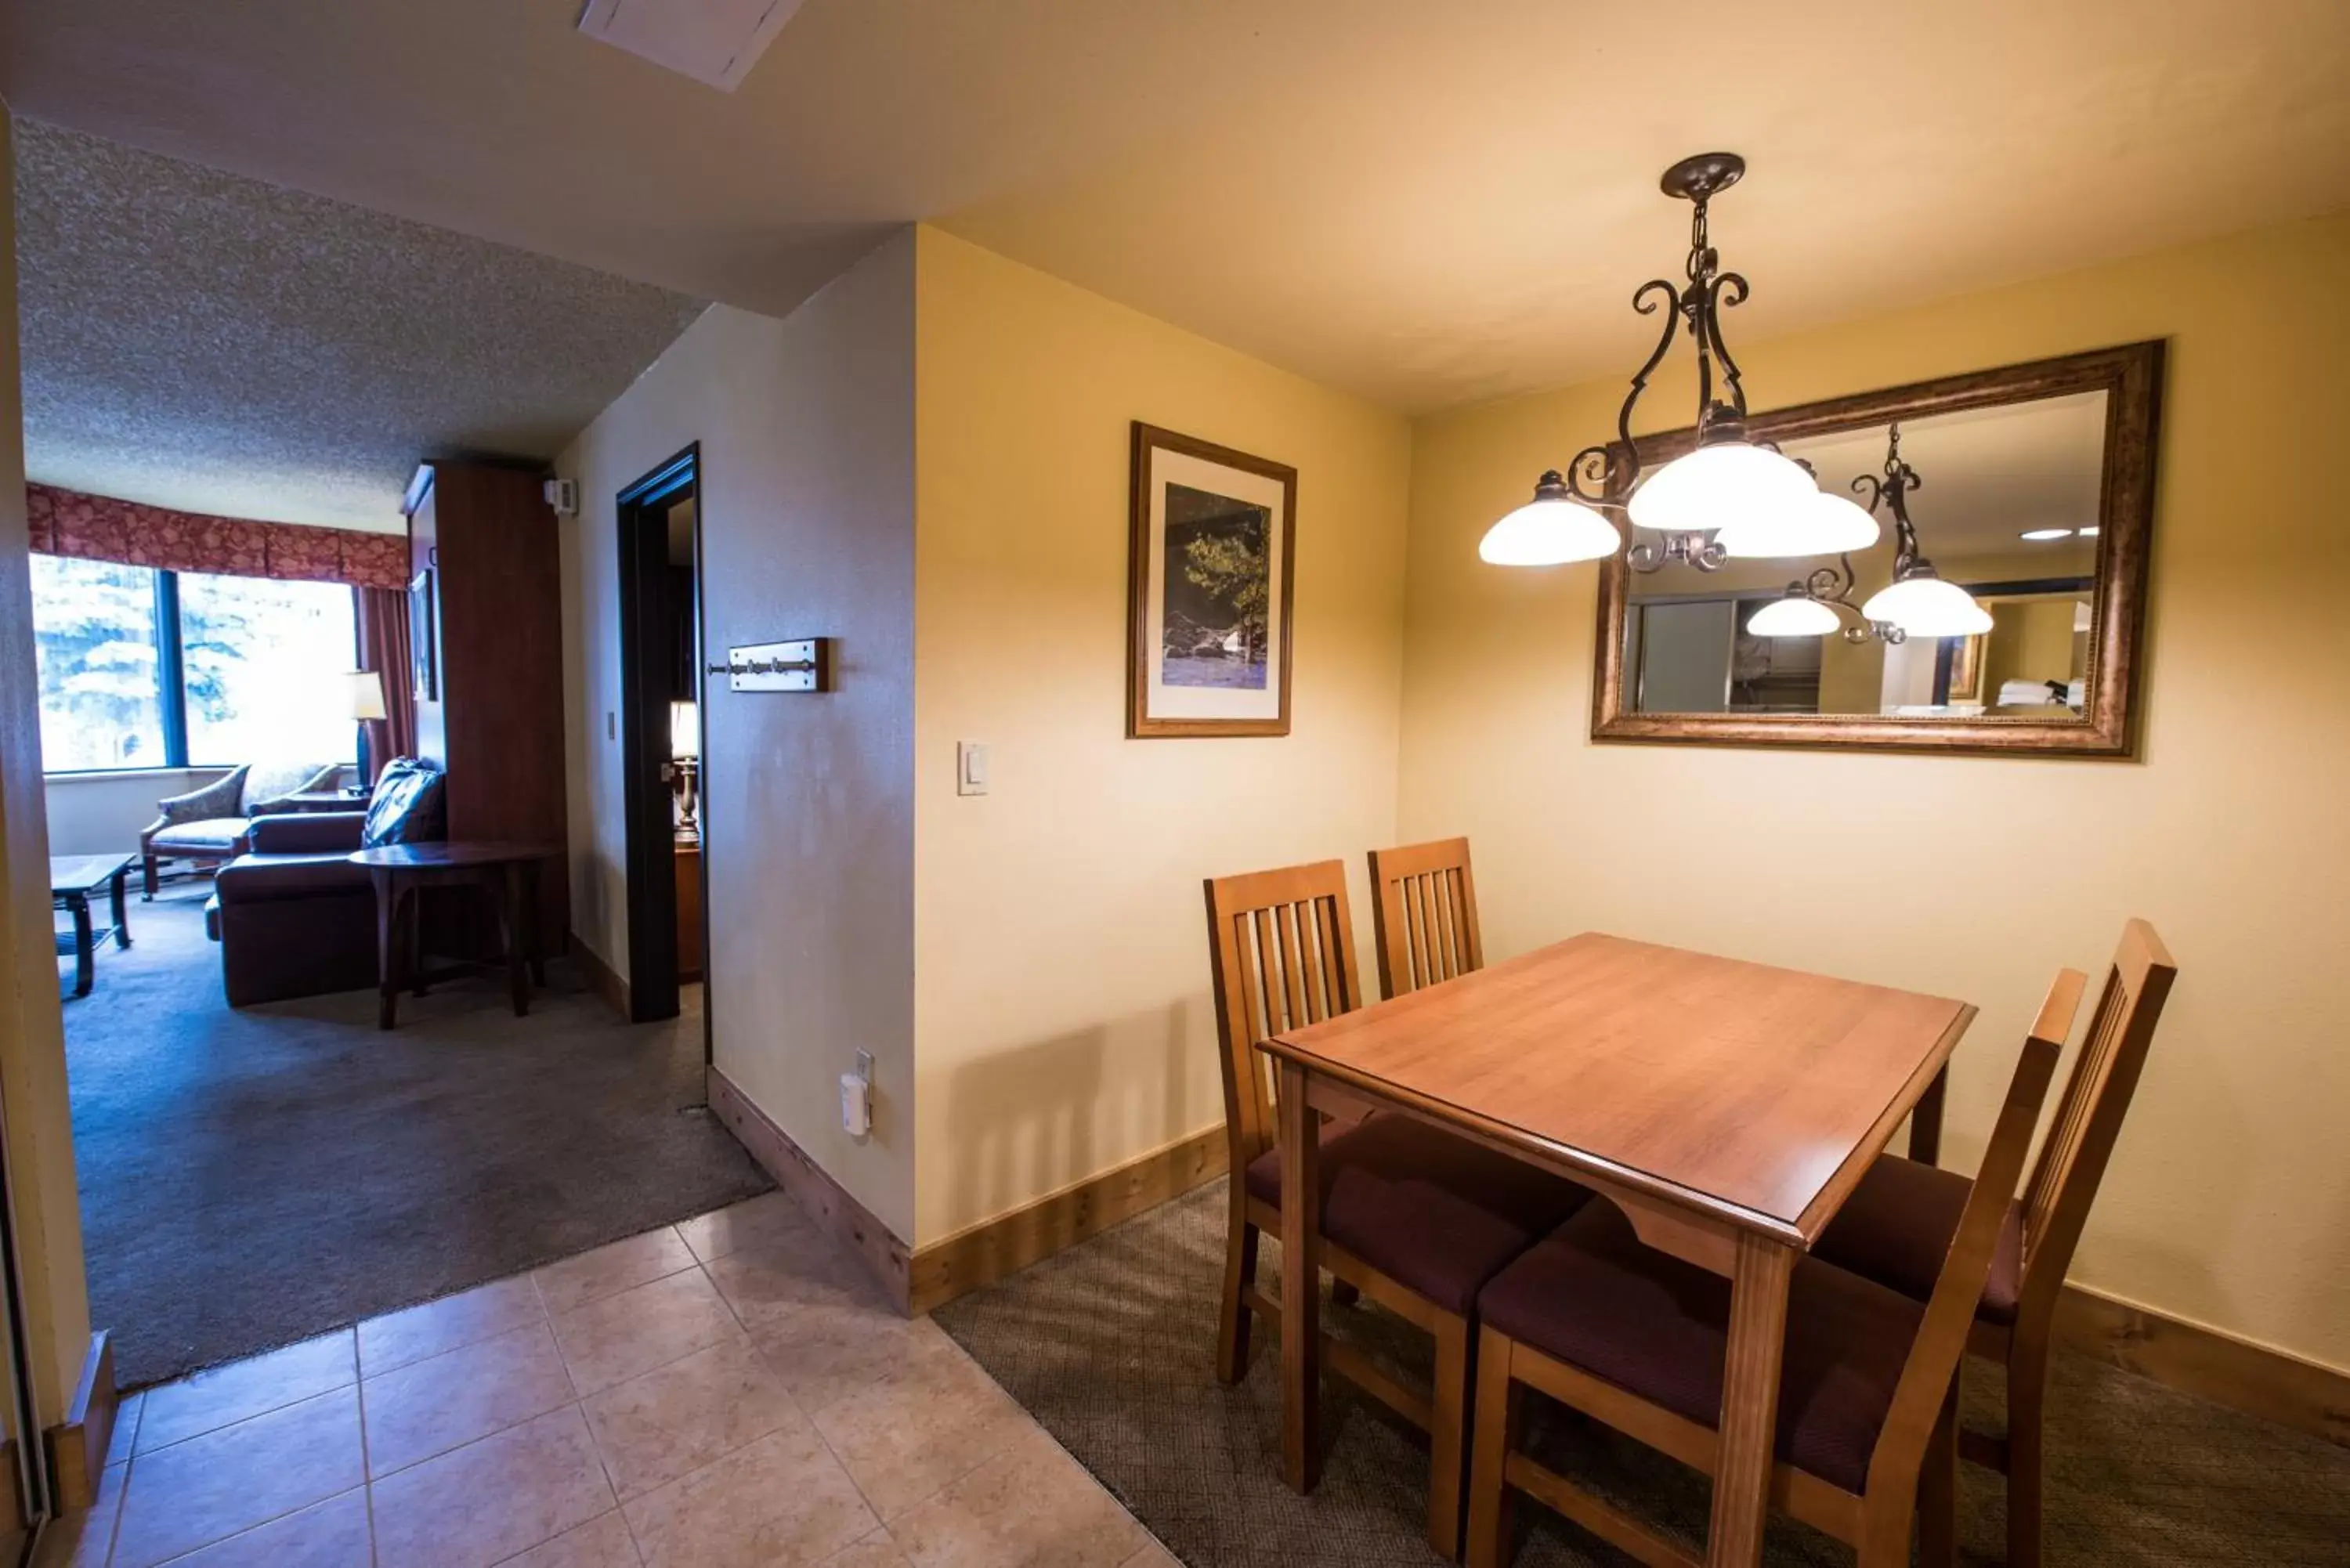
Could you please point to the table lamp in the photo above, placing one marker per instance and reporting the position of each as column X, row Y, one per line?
column 363, row 693
column 685, row 762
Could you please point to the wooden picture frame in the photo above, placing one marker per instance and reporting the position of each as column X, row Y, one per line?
column 2130, row 375
column 1208, row 638
column 424, row 636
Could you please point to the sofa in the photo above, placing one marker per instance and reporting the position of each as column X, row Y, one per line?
column 211, row 825
column 293, row 915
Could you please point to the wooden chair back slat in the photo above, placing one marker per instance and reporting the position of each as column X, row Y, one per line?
column 2096, row 1099
column 1424, row 912
column 1282, row 948
column 1933, row 1359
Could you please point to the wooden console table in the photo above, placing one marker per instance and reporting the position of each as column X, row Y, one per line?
column 507, row 872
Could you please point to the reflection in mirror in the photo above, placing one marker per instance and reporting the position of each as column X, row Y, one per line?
column 2004, row 504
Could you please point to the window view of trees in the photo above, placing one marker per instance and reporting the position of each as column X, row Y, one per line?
column 258, row 661
column 100, row 662
column 262, row 661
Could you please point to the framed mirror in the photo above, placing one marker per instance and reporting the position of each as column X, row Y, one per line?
column 2029, row 488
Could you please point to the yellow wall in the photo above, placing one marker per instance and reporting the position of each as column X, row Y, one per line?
column 1063, row 1017
column 46, row 1208
column 806, row 430
column 2229, row 1199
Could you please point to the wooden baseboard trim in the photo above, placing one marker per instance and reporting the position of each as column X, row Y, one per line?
column 1008, row 1243
column 601, row 979
column 2204, row 1362
column 825, row 1201
column 76, row 1447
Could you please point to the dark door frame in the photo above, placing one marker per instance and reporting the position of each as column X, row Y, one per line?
column 646, row 660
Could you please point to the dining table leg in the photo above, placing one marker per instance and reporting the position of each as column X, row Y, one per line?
column 1301, row 1283
column 1749, row 1402
column 1925, row 1120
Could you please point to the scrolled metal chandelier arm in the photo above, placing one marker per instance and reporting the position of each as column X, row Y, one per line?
column 1833, row 586
column 1725, row 492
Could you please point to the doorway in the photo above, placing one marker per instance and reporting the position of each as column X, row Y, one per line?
column 660, row 734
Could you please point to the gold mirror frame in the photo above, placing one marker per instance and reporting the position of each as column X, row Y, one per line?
column 2131, row 377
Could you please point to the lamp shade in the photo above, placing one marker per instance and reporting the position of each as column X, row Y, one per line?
column 363, row 693
column 1926, row 606
column 1824, row 523
column 1549, row 531
column 685, row 729
column 1794, row 616
column 1727, row 485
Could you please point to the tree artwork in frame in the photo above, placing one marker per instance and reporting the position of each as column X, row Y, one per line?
column 1214, row 533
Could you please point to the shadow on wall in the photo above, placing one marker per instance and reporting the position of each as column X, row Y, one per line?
column 1030, row 1119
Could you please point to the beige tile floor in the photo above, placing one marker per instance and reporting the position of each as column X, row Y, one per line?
column 726, row 1391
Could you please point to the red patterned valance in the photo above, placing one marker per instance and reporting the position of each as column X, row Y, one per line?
column 100, row 528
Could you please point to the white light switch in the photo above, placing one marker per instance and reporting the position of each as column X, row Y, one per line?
column 971, row 767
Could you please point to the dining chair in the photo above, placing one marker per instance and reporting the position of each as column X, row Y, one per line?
column 1413, row 1216
column 1867, row 1422
column 1424, row 914
column 1901, row 1215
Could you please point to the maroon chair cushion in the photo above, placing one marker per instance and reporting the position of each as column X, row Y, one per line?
column 1897, row 1226
column 1594, row 1296
column 1431, row 1210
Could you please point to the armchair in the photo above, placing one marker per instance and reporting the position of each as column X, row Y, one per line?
column 294, row 916
column 210, row 825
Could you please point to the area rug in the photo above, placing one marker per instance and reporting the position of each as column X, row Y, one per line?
column 253, row 1176
column 1110, row 1346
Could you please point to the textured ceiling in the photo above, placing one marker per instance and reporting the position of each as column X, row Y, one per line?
column 206, row 341
column 1427, row 203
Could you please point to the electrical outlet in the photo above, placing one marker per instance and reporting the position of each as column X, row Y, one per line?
column 864, row 1065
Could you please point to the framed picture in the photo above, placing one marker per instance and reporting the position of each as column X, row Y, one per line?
column 1207, row 601
column 424, row 637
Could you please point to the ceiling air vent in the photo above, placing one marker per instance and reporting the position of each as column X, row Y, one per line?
column 715, row 42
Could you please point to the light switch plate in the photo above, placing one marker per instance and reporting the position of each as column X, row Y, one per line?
column 971, row 767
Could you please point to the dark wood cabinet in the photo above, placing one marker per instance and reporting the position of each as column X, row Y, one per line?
column 491, row 712
column 688, row 910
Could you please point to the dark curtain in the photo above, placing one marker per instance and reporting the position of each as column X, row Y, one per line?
column 383, row 646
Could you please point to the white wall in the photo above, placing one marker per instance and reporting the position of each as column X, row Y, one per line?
column 1066, row 1019
column 98, row 813
column 806, row 433
column 46, row 1207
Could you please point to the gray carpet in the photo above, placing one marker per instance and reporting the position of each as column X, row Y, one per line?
column 251, row 1177
column 1110, row 1346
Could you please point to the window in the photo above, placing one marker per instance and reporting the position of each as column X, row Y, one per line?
column 101, row 665
column 262, row 664
column 144, row 668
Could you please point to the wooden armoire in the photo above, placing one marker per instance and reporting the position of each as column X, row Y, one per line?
column 485, row 624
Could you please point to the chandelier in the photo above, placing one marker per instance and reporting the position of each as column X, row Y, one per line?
column 1916, row 603
column 1728, row 496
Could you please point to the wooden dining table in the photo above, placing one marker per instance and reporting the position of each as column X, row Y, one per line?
column 1727, row 1108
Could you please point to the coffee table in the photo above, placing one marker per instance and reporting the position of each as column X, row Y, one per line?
column 72, row 879
column 507, row 872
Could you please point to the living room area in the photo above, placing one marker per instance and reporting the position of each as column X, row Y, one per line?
column 300, row 641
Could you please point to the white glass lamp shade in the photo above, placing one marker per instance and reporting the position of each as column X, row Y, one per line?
column 1551, row 530
column 363, row 691
column 1927, row 607
column 1729, row 485
column 1794, row 616
column 685, row 729
column 1824, row 523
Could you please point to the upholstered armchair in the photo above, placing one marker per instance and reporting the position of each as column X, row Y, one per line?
column 213, row 825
